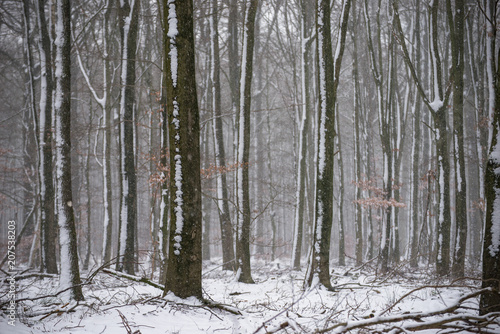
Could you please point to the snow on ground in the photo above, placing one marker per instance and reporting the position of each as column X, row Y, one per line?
column 276, row 300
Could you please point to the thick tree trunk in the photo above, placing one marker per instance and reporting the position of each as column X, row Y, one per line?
column 490, row 301
column 183, row 272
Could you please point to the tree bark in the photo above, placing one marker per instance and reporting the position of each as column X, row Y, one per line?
column 244, row 218
column 306, row 41
column 183, row 272
column 358, row 217
column 128, row 200
column 329, row 73
column 220, row 153
column 48, row 230
column 106, row 145
column 414, row 220
column 490, row 300
column 70, row 272
column 457, row 46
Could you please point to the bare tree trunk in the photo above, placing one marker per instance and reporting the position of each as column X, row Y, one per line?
column 329, row 73
column 87, row 188
column 340, row 201
column 70, row 272
column 414, row 218
column 306, row 41
column 128, row 202
column 183, row 272
column 358, row 218
column 220, row 153
column 438, row 109
column 490, row 301
column 48, row 222
column 457, row 44
column 244, row 218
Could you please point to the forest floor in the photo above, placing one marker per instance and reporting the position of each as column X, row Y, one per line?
column 403, row 301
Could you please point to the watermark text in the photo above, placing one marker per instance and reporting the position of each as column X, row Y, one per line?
column 11, row 265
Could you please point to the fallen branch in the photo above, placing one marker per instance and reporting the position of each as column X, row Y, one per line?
column 41, row 297
column 478, row 322
column 133, row 278
column 205, row 303
column 57, row 311
column 222, row 307
column 31, row 275
column 126, row 325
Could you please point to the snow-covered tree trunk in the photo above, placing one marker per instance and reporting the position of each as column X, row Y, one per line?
column 48, row 221
column 106, row 144
column 105, row 102
column 490, row 301
column 367, row 139
column 70, row 272
column 358, row 218
column 163, row 238
column 438, row 109
column 220, row 153
column 31, row 129
column 87, row 190
column 456, row 22
column 128, row 199
column 400, row 107
column 183, row 272
column 244, row 218
column 234, row 85
column 258, row 143
column 416, row 135
column 206, row 201
column 476, row 65
column 340, row 200
column 318, row 271
column 272, row 194
column 385, row 114
column 303, row 134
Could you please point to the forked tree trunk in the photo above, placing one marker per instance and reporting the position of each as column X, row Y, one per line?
column 329, row 73
column 438, row 110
